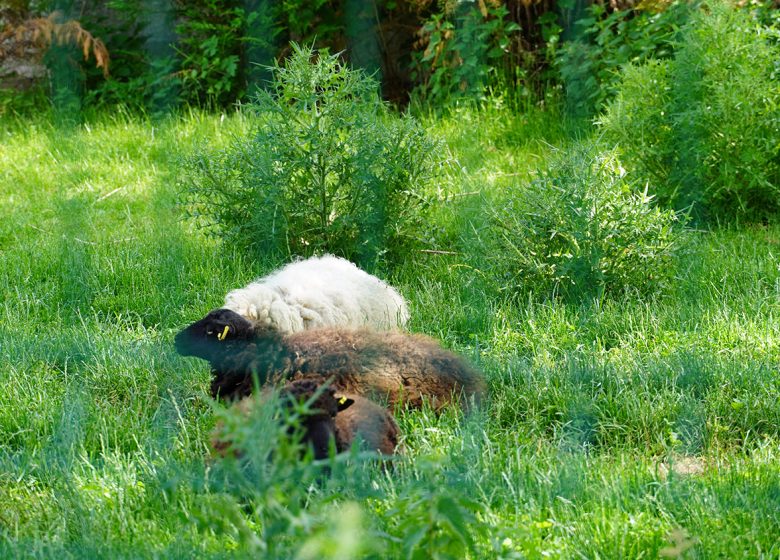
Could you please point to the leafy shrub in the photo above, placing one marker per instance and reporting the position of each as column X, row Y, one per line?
column 308, row 21
column 329, row 168
column 204, row 52
column 461, row 50
column 37, row 50
column 584, row 227
column 607, row 41
column 210, row 33
column 139, row 34
column 34, row 102
column 704, row 127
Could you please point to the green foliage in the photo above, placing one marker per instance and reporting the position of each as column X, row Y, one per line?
column 143, row 65
column 204, row 53
column 273, row 470
column 583, row 228
column 429, row 520
column 17, row 10
column 307, row 21
column 462, row 50
column 329, row 168
column 210, row 33
column 606, row 42
column 32, row 102
column 704, row 127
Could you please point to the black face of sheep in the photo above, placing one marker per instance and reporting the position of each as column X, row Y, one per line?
column 318, row 425
column 213, row 335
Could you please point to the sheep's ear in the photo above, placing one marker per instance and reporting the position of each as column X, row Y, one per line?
column 344, row 402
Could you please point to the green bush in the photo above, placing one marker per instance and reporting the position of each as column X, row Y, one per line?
column 210, row 44
column 463, row 49
column 329, row 168
column 583, row 228
column 167, row 52
column 704, row 127
column 120, row 25
column 606, row 42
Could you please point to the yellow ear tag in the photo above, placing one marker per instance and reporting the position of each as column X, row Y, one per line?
column 223, row 334
column 342, row 400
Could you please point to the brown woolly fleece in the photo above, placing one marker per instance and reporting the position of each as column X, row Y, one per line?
column 371, row 425
column 391, row 367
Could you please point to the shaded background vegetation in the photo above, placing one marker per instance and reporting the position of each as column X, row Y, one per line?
column 208, row 51
column 166, row 53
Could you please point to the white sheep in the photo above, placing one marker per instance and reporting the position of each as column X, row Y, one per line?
column 319, row 292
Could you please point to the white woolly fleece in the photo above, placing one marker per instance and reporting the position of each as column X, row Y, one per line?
column 320, row 292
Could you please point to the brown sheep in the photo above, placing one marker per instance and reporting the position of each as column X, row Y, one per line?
column 393, row 366
column 345, row 419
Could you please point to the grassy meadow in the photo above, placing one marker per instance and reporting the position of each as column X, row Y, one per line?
column 623, row 427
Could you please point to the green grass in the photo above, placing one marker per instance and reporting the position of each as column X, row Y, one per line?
column 104, row 430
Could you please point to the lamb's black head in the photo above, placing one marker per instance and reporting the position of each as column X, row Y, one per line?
column 214, row 334
column 319, row 425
